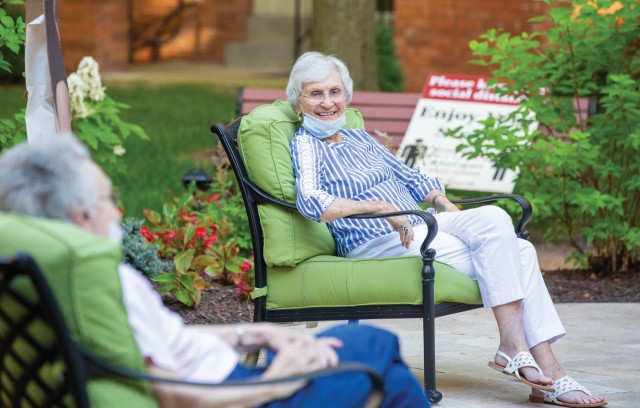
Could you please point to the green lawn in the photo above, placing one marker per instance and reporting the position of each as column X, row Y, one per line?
column 177, row 119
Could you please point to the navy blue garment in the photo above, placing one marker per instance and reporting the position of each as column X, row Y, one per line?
column 365, row 344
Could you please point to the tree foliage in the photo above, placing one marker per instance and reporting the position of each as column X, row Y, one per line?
column 11, row 33
column 581, row 81
column 390, row 77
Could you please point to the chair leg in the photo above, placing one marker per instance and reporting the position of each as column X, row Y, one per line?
column 428, row 328
column 428, row 331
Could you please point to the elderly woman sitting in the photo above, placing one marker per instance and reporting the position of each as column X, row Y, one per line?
column 341, row 172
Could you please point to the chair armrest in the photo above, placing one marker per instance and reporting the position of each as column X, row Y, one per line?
column 96, row 367
column 263, row 197
column 525, row 205
column 427, row 217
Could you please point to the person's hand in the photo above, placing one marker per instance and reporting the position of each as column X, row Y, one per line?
column 299, row 357
column 279, row 338
column 399, row 223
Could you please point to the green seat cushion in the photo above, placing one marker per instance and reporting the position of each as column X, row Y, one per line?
column 328, row 281
column 303, row 270
column 263, row 140
column 82, row 270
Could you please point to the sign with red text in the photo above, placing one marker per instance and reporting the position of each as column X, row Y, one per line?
column 448, row 102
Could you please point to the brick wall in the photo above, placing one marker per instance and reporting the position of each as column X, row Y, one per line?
column 102, row 29
column 203, row 31
column 96, row 28
column 432, row 36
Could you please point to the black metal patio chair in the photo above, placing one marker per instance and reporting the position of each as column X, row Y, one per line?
column 268, row 278
column 42, row 366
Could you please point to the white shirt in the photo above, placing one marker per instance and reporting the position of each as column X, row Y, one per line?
column 162, row 335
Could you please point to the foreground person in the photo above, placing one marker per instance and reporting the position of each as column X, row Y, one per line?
column 58, row 180
column 341, row 172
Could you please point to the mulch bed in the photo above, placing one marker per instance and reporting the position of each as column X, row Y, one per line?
column 221, row 305
column 576, row 286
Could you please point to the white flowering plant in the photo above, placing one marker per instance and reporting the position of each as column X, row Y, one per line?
column 94, row 117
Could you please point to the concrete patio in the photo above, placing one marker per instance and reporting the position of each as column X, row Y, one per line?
column 601, row 351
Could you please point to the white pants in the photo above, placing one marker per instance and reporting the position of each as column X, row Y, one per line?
column 482, row 244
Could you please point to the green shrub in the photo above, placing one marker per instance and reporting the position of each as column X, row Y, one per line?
column 193, row 232
column 390, row 77
column 581, row 172
column 12, row 35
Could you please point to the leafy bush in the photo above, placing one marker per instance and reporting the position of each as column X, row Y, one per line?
column 582, row 172
column 95, row 117
column 390, row 77
column 139, row 253
column 193, row 232
column 12, row 34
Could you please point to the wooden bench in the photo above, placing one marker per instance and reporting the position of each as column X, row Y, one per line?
column 386, row 114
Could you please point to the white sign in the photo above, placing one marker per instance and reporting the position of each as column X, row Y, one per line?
column 448, row 102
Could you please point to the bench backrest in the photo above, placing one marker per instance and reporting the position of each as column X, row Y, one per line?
column 387, row 114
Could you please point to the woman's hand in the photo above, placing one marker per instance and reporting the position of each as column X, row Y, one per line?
column 280, row 338
column 399, row 223
column 299, row 357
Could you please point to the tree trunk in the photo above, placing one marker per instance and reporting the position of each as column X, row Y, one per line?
column 347, row 30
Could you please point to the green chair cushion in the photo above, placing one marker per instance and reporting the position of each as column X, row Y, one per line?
column 82, row 270
column 363, row 282
column 303, row 270
column 263, row 140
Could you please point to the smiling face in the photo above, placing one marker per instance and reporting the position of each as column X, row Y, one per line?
column 329, row 108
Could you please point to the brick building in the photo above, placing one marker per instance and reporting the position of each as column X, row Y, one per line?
column 430, row 35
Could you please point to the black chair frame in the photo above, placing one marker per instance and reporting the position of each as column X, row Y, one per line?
column 253, row 196
column 80, row 364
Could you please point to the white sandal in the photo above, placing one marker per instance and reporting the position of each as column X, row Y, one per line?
column 522, row 359
column 564, row 385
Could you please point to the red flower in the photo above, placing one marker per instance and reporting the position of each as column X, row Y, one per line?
column 245, row 266
column 169, row 235
column 201, row 232
column 213, row 197
column 144, row 231
column 189, row 217
column 208, row 243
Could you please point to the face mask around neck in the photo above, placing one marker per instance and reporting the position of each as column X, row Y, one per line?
column 115, row 232
column 321, row 129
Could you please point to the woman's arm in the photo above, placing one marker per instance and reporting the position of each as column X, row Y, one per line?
column 297, row 353
column 342, row 207
column 438, row 200
column 179, row 396
column 254, row 336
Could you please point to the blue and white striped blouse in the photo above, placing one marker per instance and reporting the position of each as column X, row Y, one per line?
column 360, row 169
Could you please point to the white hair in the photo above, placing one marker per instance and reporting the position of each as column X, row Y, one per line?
column 48, row 179
column 315, row 66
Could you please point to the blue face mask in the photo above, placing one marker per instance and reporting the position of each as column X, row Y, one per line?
column 321, row 129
